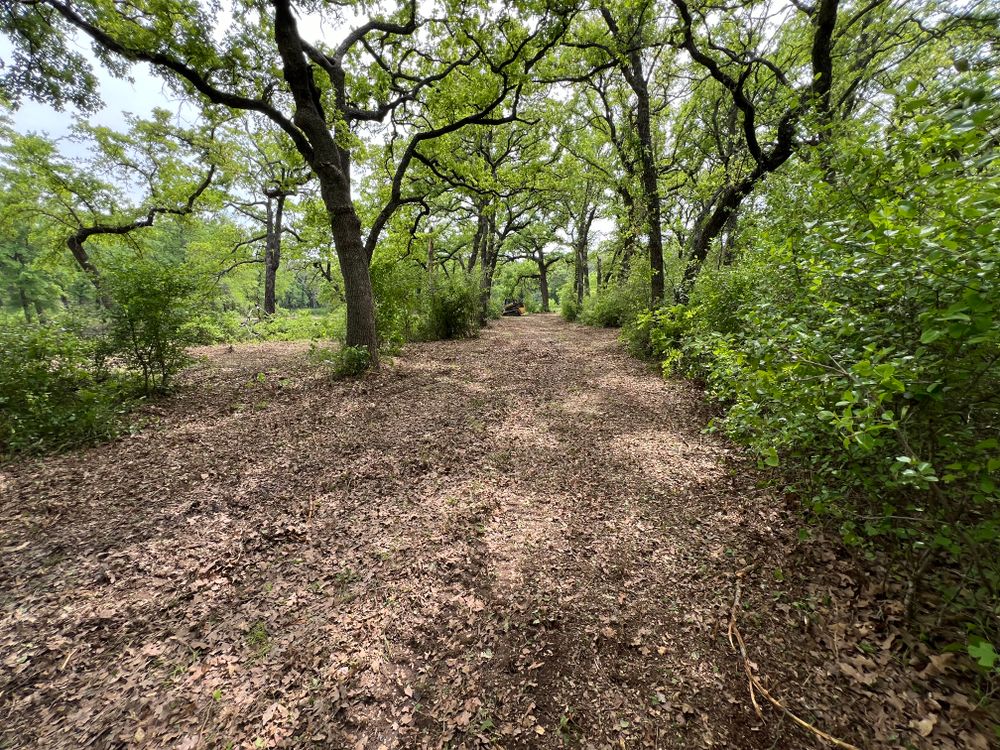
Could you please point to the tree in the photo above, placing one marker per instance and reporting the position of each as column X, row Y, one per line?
column 152, row 163
column 317, row 102
column 268, row 174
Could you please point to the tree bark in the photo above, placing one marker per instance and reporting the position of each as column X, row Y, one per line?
column 650, row 187
column 331, row 162
column 543, row 278
column 635, row 76
column 272, row 248
column 25, row 305
column 581, row 268
column 488, row 261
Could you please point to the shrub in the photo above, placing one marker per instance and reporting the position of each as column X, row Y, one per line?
column 569, row 308
column 657, row 334
column 52, row 394
column 611, row 307
column 342, row 362
column 299, row 325
column 856, row 343
column 154, row 304
column 451, row 308
column 395, row 285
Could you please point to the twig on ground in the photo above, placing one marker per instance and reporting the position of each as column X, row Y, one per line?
column 736, row 641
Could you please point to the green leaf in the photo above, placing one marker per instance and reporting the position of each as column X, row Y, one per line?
column 983, row 652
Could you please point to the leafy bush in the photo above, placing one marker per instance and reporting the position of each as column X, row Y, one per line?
column 52, row 394
column 154, row 304
column 611, row 307
column 856, row 343
column 341, row 362
column 569, row 308
column 395, row 284
column 451, row 308
column 300, row 325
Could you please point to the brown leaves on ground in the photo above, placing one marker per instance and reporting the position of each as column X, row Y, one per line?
column 525, row 540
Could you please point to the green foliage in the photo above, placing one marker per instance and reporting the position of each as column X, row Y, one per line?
column 569, row 308
column 299, row 325
column 856, row 341
column 450, row 308
column 395, row 284
column 342, row 361
column 52, row 394
column 613, row 306
column 618, row 303
column 154, row 305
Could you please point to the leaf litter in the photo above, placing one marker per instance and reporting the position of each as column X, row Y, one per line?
column 523, row 540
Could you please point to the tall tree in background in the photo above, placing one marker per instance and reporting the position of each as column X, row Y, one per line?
column 160, row 170
column 316, row 101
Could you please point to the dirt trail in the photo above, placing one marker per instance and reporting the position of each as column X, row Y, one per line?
column 525, row 540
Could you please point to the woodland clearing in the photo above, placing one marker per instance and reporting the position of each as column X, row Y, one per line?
column 521, row 540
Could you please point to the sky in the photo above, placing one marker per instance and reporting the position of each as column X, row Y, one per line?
column 119, row 96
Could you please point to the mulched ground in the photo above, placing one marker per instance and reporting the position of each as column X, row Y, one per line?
column 525, row 540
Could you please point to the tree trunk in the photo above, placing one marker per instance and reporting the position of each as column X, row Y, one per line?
column 79, row 252
column 488, row 262
column 581, row 269
column 331, row 162
column 353, row 261
column 709, row 226
column 629, row 240
column 650, row 187
column 272, row 249
column 543, row 279
column 478, row 240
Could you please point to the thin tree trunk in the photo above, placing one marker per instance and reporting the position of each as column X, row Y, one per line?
column 543, row 279
column 272, row 249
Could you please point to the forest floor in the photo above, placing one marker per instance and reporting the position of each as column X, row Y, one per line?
column 527, row 540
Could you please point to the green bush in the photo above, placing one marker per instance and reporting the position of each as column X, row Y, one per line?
column 343, row 361
column 611, row 307
column 451, row 308
column 299, row 325
column 569, row 308
column 52, row 394
column 856, row 344
column 154, row 305
column 395, row 284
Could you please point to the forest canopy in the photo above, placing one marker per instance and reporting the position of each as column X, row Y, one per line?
column 795, row 203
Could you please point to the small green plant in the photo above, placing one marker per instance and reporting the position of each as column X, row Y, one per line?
column 258, row 639
column 342, row 362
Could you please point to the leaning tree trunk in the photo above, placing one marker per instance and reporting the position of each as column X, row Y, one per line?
column 331, row 162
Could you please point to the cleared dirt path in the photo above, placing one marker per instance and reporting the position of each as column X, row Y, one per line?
column 525, row 540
